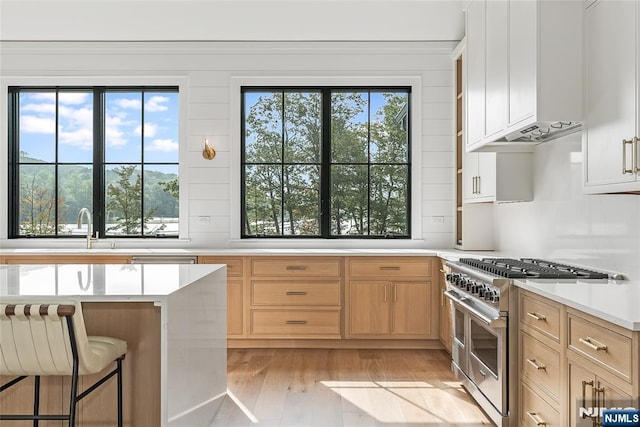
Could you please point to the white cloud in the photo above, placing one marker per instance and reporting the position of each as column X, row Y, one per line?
column 79, row 115
column 81, row 138
column 128, row 103
column 45, row 96
column 72, row 97
column 150, row 130
column 155, row 103
column 166, row 145
column 115, row 137
column 49, row 108
column 33, row 124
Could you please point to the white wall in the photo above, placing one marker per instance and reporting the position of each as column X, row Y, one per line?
column 601, row 231
column 207, row 72
column 231, row 20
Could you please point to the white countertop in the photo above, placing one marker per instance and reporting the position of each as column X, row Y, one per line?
column 226, row 251
column 615, row 301
column 100, row 282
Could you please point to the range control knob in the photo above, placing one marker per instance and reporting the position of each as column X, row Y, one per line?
column 448, row 277
column 474, row 287
column 489, row 295
column 481, row 290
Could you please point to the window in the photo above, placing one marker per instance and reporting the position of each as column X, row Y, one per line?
column 326, row 162
column 113, row 150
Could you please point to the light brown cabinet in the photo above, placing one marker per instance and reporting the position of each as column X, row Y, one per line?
column 295, row 297
column 572, row 364
column 389, row 298
column 446, row 310
column 235, row 291
column 589, row 391
column 540, row 353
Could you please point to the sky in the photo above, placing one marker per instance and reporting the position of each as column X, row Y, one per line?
column 123, row 129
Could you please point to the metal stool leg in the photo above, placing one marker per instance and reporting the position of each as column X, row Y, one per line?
column 36, row 399
column 74, row 395
column 119, row 361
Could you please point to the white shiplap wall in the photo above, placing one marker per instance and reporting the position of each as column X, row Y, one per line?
column 208, row 74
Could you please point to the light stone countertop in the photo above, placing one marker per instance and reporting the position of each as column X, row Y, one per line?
column 99, row 282
column 615, row 301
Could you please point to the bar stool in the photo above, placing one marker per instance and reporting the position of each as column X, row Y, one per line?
column 42, row 338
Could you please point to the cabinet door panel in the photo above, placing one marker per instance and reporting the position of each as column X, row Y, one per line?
column 235, row 308
column 369, row 308
column 497, row 78
column 475, row 71
column 578, row 374
column 411, row 308
column 522, row 59
column 610, row 95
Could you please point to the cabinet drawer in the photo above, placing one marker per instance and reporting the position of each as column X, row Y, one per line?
column 541, row 364
column 535, row 411
column 390, row 267
column 542, row 316
column 296, row 323
column 295, row 267
column 267, row 292
column 600, row 344
column 235, row 266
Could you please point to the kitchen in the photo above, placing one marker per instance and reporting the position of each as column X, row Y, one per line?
column 416, row 49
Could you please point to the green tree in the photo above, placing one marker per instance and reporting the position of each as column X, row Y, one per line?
column 37, row 201
column 124, row 202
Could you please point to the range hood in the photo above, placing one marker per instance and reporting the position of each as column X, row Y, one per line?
column 538, row 132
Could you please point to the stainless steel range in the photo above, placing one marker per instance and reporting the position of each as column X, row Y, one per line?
column 485, row 329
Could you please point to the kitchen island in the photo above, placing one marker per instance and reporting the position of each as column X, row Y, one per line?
column 173, row 318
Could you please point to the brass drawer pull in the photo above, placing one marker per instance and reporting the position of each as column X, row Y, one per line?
column 593, row 344
column 535, row 364
column 390, row 268
column 536, row 418
column 296, row 267
column 636, row 142
column 537, row 316
column 624, row 157
column 296, row 322
column 296, row 293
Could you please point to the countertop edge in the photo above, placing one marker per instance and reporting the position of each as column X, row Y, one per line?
column 609, row 317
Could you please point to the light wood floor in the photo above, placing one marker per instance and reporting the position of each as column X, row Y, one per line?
column 333, row 388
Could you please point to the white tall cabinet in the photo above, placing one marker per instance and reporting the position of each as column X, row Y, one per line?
column 611, row 139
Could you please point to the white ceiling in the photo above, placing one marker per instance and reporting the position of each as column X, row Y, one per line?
column 286, row 20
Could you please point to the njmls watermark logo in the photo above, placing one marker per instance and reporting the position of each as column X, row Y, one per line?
column 612, row 416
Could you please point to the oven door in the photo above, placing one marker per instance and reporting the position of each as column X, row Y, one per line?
column 487, row 361
column 480, row 349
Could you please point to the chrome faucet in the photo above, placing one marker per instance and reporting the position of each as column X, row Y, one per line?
column 85, row 212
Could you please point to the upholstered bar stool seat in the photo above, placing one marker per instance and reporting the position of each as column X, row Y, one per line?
column 39, row 338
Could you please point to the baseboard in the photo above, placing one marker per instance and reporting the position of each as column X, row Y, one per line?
column 336, row 344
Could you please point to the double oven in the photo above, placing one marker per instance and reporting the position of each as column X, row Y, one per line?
column 484, row 340
column 485, row 325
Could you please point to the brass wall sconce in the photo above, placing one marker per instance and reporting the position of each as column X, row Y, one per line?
column 208, row 152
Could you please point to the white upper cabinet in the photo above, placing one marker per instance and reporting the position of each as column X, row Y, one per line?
column 611, row 147
column 475, row 70
column 524, row 71
column 496, row 67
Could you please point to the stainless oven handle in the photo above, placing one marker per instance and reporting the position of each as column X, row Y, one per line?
column 497, row 322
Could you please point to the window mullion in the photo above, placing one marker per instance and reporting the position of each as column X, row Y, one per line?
column 142, row 165
column 14, row 164
column 99, row 202
column 325, row 168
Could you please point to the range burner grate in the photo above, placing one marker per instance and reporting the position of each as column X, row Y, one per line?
column 531, row 268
